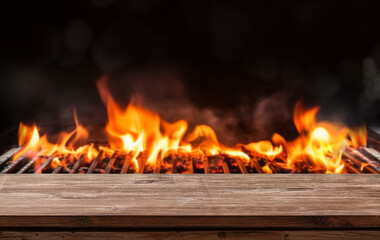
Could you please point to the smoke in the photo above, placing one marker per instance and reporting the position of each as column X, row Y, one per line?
column 162, row 89
column 271, row 115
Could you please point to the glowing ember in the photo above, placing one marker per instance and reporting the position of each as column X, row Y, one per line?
column 140, row 138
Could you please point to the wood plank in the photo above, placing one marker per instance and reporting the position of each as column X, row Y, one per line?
column 190, row 235
column 190, row 201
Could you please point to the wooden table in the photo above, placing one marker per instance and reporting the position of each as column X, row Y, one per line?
column 180, row 206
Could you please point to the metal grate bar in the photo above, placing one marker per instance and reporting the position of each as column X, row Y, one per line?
column 242, row 167
column 127, row 162
column 95, row 162
column 78, row 164
column 13, row 165
column 157, row 168
column 206, row 164
column 110, row 163
column 45, row 164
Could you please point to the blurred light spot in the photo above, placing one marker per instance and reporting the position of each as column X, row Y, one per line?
column 110, row 53
column 69, row 58
column 371, row 80
column 350, row 70
column 266, row 69
column 323, row 83
column 290, row 74
column 369, row 67
column 77, row 36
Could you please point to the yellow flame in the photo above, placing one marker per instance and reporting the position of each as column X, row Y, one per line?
column 144, row 136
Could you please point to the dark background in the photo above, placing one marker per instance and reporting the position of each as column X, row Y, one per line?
column 239, row 66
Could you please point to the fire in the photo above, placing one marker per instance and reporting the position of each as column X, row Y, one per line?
column 147, row 139
column 320, row 144
column 29, row 138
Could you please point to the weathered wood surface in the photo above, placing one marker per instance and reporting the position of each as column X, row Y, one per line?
column 190, row 201
column 187, row 235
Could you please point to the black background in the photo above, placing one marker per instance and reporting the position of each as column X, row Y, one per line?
column 239, row 64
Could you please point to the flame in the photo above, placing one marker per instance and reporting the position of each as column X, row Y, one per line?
column 55, row 162
column 29, row 138
column 265, row 148
column 33, row 145
column 145, row 137
column 135, row 129
column 320, row 145
column 267, row 169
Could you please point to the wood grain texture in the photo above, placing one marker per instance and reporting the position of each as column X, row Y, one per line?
column 191, row 235
column 190, row 201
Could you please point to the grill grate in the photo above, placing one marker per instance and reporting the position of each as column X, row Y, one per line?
column 363, row 160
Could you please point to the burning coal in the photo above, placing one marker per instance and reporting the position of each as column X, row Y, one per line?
column 139, row 140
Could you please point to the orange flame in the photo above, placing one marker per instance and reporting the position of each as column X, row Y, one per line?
column 145, row 137
column 320, row 145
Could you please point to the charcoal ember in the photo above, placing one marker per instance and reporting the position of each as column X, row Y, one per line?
column 98, row 170
column 166, row 165
column 115, row 170
column 181, row 169
column 83, row 170
column 65, row 170
column 70, row 166
column 198, row 165
column 131, row 170
column 119, row 161
column 148, row 169
column 274, row 168
column 284, row 170
column 70, row 159
column 262, row 162
column 183, row 164
column 103, row 164
column 215, row 163
column 232, row 164
column 251, row 169
column 279, row 166
column 304, row 164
